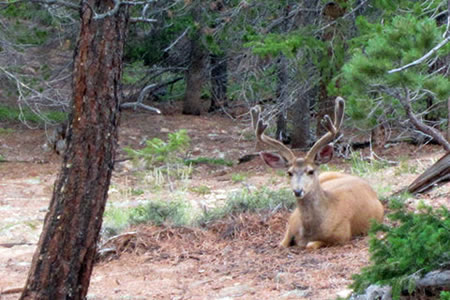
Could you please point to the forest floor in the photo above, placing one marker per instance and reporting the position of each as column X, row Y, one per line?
column 234, row 259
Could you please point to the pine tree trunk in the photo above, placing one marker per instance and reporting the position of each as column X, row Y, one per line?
column 63, row 262
column 219, row 79
column 195, row 77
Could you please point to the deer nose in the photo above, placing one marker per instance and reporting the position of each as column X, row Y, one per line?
column 298, row 192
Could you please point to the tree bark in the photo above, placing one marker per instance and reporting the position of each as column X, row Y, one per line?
column 195, row 78
column 448, row 120
column 331, row 12
column 219, row 79
column 63, row 262
column 439, row 172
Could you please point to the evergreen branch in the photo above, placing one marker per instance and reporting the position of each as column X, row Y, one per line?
column 423, row 58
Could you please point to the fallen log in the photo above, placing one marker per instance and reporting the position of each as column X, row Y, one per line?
column 435, row 175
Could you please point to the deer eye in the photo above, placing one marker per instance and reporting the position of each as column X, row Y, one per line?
column 310, row 171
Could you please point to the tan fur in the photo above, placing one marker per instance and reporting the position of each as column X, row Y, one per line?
column 338, row 207
column 332, row 207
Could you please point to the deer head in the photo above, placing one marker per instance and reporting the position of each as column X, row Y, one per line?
column 302, row 171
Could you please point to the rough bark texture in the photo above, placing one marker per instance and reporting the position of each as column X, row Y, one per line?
column 219, row 78
column 406, row 102
column 63, row 262
column 331, row 12
column 437, row 173
column 195, row 78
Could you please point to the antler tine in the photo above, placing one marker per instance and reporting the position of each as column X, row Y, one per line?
column 260, row 126
column 333, row 129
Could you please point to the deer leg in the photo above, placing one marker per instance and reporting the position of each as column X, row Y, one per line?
column 315, row 245
column 294, row 232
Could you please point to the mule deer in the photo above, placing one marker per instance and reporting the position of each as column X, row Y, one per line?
column 331, row 207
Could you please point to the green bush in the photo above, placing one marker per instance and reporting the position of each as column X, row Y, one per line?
column 14, row 114
column 158, row 152
column 174, row 212
column 248, row 201
column 208, row 160
column 419, row 243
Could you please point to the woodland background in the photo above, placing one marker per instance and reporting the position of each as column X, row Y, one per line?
column 183, row 75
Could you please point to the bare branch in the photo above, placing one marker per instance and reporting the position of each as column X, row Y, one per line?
column 343, row 17
column 406, row 102
column 423, row 58
column 136, row 104
column 141, row 19
column 176, row 41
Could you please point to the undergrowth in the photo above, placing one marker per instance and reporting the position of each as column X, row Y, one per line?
column 415, row 244
column 180, row 213
column 14, row 114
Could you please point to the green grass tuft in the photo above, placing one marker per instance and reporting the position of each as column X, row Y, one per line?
column 14, row 114
column 208, row 160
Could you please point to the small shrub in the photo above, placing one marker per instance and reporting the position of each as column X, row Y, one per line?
column 419, row 244
column 201, row 189
column 158, row 212
column 158, row 152
column 208, row 160
column 238, row 177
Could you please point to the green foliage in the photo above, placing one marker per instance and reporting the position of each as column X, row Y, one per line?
column 238, row 177
column 178, row 212
column 248, row 201
column 200, row 189
column 157, row 151
column 287, row 44
column 445, row 295
column 365, row 81
column 419, row 243
column 6, row 130
column 208, row 160
column 157, row 212
column 133, row 72
column 173, row 212
column 14, row 114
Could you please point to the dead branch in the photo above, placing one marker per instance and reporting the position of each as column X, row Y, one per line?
column 406, row 102
column 423, row 58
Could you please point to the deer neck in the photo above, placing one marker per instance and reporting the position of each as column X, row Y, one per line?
column 313, row 207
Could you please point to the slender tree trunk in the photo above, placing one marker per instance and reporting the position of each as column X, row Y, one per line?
column 219, row 79
column 448, row 119
column 195, row 78
column 282, row 86
column 63, row 262
column 331, row 12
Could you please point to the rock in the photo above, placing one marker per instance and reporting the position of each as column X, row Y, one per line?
column 345, row 293
column 281, row 277
column 238, row 290
column 295, row 294
column 375, row 292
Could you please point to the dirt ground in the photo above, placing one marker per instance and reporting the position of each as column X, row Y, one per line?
column 235, row 259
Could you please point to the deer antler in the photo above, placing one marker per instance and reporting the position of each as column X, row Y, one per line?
column 333, row 129
column 259, row 126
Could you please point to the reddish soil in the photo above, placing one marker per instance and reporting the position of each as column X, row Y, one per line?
column 237, row 258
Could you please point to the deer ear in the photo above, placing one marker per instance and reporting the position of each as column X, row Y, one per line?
column 273, row 160
column 324, row 155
